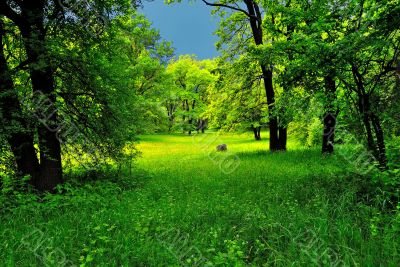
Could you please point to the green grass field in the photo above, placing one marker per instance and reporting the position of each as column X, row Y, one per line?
column 186, row 205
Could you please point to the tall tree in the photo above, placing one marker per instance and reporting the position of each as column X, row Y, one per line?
column 191, row 78
column 237, row 102
column 14, row 125
column 369, row 56
column 250, row 12
column 70, row 67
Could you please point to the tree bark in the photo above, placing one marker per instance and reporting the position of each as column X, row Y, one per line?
column 365, row 110
column 201, row 125
column 204, row 125
column 256, row 27
column 273, row 120
column 282, row 138
column 370, row 120
column 190, row 117
column 171, row 107
column 257, row 133
column 329, row 120
column 42, row 78
column 20, row 137
column 184, row 116
column 380, row 140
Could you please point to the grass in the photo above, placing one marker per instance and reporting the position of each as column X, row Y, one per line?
column 186, row 205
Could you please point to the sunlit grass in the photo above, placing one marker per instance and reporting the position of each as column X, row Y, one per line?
column 185, row 203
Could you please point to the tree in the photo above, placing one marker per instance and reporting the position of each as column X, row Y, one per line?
column 305, row 34
column 15, row 126
column 75, row 94
column 247, row 15
column 237, row 102
column 191, row 78
column 369, row 54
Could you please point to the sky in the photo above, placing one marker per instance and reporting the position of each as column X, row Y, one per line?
column 190, row 26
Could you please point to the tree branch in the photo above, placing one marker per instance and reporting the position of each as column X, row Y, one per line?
column 228, row 6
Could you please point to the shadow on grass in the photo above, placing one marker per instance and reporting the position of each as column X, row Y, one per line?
column 289, row 156
column 251, row 141
column 125, row 178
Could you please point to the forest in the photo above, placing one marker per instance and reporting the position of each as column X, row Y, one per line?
column 282, row 151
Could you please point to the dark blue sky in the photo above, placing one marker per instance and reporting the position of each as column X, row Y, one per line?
column 190, row 26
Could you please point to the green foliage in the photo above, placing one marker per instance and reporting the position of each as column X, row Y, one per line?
column 245, row 207
column 237, row 102
column 314, row 132
column 387, row 183
column 106, row 85
column 186, row 95
column 15, row 194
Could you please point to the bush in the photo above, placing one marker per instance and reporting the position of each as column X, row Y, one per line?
column 15, row 193
column 314, row 132
column 307, row 133
column 388, row 182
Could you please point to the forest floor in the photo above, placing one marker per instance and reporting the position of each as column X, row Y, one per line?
column 186, row 205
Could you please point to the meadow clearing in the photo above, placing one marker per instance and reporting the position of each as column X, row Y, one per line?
column 186, row 205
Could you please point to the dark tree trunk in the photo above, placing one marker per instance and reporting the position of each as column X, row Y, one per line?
column 365, row 110
column 171, row 107
column 256, row 27
column 283, row 124
column 42, row 78
column 190, row 117
column 257, row 133
column 328, row 136
column 204, row 125
column 20, row 136
column 371, row 121
column 201, row 125
column 273, row 120
column 184, row 116
column 364, row 107
column 380, row 140
column 282, row 138
column 373, row 126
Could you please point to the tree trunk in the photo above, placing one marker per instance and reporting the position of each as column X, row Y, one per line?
column 282, row 138
column 42, row 79
column 273, row 120
column 328, row 136
column 282, row 130
column 365, row 110
column 380, row 140
column 20, row 137
column 191, row 118
column 201, row 124
column 257, row 133
column 255, row 20
column 254, row 16
column 171, row 110
column 204, row 126
column 184, row 116
column 371, row 121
